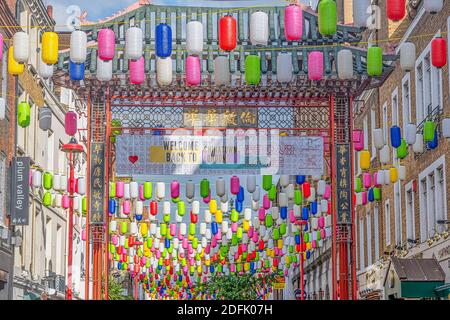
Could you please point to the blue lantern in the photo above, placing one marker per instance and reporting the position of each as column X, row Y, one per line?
column 238, row 206
column 300, row 179
column 308, row 254
column 214, row 228
column 433, row 144
column 297, row 239
column 211, row 268
column 283, row 212
column 240, row 195
column 396, row 136
column 112, row 206
column 163, row 40
column 138, row 217
column 76, row 71
column 305, row 214
column 314, row 207
column 167, row 243
column 370, row 195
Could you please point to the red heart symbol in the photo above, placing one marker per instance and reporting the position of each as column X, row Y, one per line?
column 133, row 159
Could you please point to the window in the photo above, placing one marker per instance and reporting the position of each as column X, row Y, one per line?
column 369, row 237
column 361, row 243
column 372, row 127
column 387, row 222
column 409, row 201
column 428, row 85
column 398, row 212
column 394, row 103
column 432, row 198
column 385, row 123
column 376, row 231
column 406, row 101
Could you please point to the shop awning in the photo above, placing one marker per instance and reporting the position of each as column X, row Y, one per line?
column 443, row 291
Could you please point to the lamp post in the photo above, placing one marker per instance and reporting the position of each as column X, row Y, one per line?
column 72, row 148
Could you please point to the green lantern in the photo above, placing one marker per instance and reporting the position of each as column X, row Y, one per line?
column 123, row 227
column 275, row 234
column 377, row 194
column 112, row 189
column 48, row 180
column 84, row 205
column 428, row 131
column 283, row 228
column 298, row 197
column 374, row 61
column 306, row 237
column 147, row 190
column 149, row 242
column 252, row 69
column 163, row 229
column 239, row 233
column 204, row 188
column 23, row 114
column 192, row 229
column 234, row 239
column 234, row 215
column 175, row 200
column 327, row 17
column 358, row 185
column 181, row 208
column 402, row 150
column 269, row 220
column 47, row 200
column 166, row 218
column 272, row 194
column 267, row 182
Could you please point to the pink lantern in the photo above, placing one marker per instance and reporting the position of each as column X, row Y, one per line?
column 126, row 207
column 364, row 198
column 193, row 72
column 293, row 23
column 120, row 189
column 235, row 185
column 83, row 234
column 137, row 71
column 358, row 139
column 266, row 202
column 208, row 198
column 233, row 267
column 261, row 214
column 173, row 229
column 323, row 234
column 174, row 189
column 208, row 249
column 1, row 46
column 141, row 192
column 106, row 44
column 214, row 242
column 157, row 254
column 315, row 65
column 292, row 216
column 185, row 243
column 71, row 123
column 234, row 227
column 327, row 193
column 367, row 180
column 218, row 234
column 313, row 244
column 115, row 240
column 65, row 201
column 321, row 222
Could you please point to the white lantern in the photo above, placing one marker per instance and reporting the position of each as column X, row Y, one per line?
column 321, row 186
column 81, row 186
column 275, row 212
column 21, row 43
column 359, row 201
column 384, row 155
column 134, row 189
column 78, row 46
column 247, row 214
column 378, row 138
column 251, row 183
column 139, row 207
column 37, row 178
column 402, row 173
column 56, row 182
column 113, row 226
column 229, row 235
column 164, row 71
column 256, row 194
column 433, row 6
column 153, row 228
column 407, row 56
column 208, row 234
column 282, row 200
column 345, row 64
column 126, row 191
column 410, row 134
column 160, row 190
column 207, row 216
column 284, row 68
column 202, row 228
column 362, row 10
column 386, row 175
column 290, row 191
column 2, row 108
column 166, row 207
column 133, row 228
column 328, row 221
column 297, row 210
column 104, row 70
column 262, row 231
column 194, row 38
column 195, row 207
column 221, row 71
column 312, row 197
column 224, row 207
column 256, row 222
column 58, row 200
column 45, row 70
column 255, row 205
column 314, row 223
column 380, row 177
column 418, row 147
column 446, row 128
column 76, row 203
column 284, row 180
column 63, row 183
column 224, row 226
column 134, row 43
column 204, row 244
column 324, row 205
column 259, row 28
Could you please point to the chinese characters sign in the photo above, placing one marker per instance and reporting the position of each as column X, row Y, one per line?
column 343, row 184
column 220, row 117
column 97, row 187
column 20, row 191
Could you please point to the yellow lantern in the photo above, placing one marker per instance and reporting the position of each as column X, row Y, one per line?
column 393, row 175
column 14, row 67
column 308, row 246
column 144, row 229
column 190, row 237
column 213, row 206
column 199, row 269
column 219, row 216
column 288, row 260
column 50, row 47
column 207, row 262
column 246, row 266
column 280, row 243
column 364, row 159
column 245, row 225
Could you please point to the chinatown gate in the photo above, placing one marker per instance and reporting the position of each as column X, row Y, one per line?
column 300, row 108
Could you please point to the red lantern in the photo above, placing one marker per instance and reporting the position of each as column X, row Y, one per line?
column 227, row 33
column 439, row 52
column 396, row 9
column 306, row 190
column 154, row 208
column 194, row 218
column 130, row 241
column 261, row 245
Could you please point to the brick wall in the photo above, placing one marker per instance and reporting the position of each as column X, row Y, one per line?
column 421, row 35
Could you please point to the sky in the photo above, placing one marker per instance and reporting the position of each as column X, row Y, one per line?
column 63, row 9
